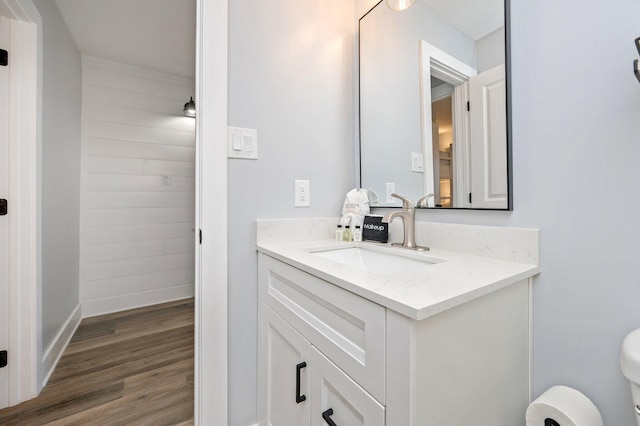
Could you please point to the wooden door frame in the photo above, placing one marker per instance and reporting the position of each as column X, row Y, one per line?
column 211, row 379
column 25, row 206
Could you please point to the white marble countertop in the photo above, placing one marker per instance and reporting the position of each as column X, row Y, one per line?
column 418, row 292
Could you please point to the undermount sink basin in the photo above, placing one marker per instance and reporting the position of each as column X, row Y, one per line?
column 374, row 261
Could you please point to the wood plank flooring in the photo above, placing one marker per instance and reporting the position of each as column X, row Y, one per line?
column 129, row 368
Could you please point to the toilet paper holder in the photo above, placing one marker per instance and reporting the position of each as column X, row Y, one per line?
column 563, row 406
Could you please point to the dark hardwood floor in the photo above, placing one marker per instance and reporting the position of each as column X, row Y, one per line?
column 128, row 368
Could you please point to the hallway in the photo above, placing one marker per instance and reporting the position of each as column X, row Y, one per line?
column 128, row 368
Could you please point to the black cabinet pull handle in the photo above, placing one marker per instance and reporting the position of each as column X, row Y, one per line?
column 299, row 398
column 327, row 417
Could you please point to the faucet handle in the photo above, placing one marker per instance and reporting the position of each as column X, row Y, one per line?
column 422, row 202
column 406, row 202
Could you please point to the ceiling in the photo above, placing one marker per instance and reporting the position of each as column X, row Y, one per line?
column 156, row 34
column 476, row 18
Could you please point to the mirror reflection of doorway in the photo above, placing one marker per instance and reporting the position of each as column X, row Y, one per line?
column 443, row 142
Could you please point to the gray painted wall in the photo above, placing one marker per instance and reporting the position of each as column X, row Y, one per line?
column 575, row 116
column 62, row 92
column 490, row 50
column 291, row 78
column 576, row 109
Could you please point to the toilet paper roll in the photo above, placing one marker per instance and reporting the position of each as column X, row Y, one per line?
column 565, row 406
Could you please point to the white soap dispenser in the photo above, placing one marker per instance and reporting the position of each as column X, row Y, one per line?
column 347, row 234
column 357, row 234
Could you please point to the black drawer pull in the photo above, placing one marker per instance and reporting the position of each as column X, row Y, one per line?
column 327, row 417
column 299, row 398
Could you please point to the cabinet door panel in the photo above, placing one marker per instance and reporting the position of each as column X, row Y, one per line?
column 333, row 389
column 349, row 329
column 285, row 349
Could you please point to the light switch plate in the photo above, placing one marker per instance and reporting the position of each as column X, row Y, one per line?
column 242, row 143
column 417, row 162
column 302, row 193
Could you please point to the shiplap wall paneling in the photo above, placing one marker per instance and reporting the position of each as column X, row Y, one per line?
column 136, row 233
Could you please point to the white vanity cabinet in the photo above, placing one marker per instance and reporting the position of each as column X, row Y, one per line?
column 287, row 356
column 314, row 339
column 302, row 385
column 467, row 365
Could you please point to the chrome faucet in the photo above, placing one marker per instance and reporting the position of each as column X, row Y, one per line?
column 408, row 216
column 423, row 202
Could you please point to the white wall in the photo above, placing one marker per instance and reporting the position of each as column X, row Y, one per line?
column 291, row 78
column 490, row 50
column 62, row 92
column 136, row 235
column 575, row 137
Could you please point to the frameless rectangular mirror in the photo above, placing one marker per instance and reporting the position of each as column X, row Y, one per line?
column 435, row 103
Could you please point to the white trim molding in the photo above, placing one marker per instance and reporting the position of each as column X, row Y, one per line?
column 437, row 63
column 25, row 191
column 55, row 350
column 108, row 305
column 211, row 381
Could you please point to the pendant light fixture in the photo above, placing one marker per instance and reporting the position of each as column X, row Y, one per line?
column 400, row 4
column 189, row 108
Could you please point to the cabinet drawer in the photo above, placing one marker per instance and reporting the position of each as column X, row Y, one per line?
column 338, row 397
column 345, row 327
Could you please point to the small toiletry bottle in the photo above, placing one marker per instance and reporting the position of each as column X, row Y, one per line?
column 357, row 234
column 339, row 233
column 347, row 233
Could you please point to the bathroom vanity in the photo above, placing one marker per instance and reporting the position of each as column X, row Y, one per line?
column 365, row 334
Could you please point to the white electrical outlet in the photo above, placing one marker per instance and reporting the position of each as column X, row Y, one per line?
column 302, row 193
column 391, row 188
column 166, row 178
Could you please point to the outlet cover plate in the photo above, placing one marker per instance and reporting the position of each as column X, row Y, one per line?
column 390, row 189
column 302, row 193
column 166, row 178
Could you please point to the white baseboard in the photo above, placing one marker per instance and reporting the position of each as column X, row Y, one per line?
column 92, row 308
column 55, row 350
